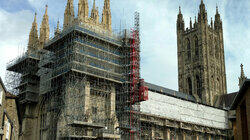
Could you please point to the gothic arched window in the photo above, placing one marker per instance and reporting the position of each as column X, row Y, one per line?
column 196, row 41
column 188, row 49
column 189, row 86
column 198, row 84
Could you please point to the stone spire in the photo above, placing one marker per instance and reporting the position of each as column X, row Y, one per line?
column 69, row 14
column 44, row 29
column 217, row 21
column 95, row 13
column 202, row 16
column 180, row 21
column 212, row 24
column 191, row 23
column 242, row 77
column 33, row 36
column 83, row 10
column 106, row 15
column 57, row 31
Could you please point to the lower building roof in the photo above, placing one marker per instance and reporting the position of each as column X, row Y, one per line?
column 241, row 94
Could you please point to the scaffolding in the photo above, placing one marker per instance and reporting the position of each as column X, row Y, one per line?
column 84, row 83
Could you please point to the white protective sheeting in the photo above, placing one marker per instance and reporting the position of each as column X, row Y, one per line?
column 184, row 111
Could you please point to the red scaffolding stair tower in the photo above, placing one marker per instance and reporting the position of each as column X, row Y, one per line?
column 138, row 90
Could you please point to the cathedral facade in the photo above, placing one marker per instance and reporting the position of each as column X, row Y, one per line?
column 73, row 86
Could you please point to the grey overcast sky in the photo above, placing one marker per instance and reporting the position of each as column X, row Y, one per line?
column 158, row 31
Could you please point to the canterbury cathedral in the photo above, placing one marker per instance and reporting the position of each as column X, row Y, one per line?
column 84, row 82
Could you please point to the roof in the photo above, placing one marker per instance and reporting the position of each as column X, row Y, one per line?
column 176, row 94
column 170, row 92
column 180, row 110
column 241, row 93
column 226, row 100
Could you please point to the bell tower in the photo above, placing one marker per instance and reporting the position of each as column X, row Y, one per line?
column 201, row 61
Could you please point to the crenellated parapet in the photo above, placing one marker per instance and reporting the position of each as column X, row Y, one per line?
column 214, row 26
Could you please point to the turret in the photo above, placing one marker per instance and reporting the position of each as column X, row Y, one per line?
column 202, row 16
column 57, row 31
column 217, row 22
column 69, row 14
column 242, row 77
column 33, row 36
column 180, row 21
column 195, row 22
column 106, row 15
column 83, row 10
column 44, row 29
column 190, row 23
column 212, row 24
column 95, row 14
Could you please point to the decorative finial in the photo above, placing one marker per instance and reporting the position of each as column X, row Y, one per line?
column 217, row 10
column 35, row 17
column 242, row 77
column 191, row 23
column 242, row 70
column 179, row 9
column 57, row 28
column 212, row 22
column 46, row 9
column 201, row 1
column 58, row 23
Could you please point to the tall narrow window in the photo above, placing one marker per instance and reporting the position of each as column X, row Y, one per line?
column 198, row 84
column 217, row 50
column 218, row 85
column 196, row 46
column 189, row 85
column 188, row 49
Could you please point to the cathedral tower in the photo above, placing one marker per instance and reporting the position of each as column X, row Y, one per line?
column 201, row 62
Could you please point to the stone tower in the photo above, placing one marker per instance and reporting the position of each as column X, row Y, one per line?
column 201, row 61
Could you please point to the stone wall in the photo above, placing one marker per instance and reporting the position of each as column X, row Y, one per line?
column 11, row 109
